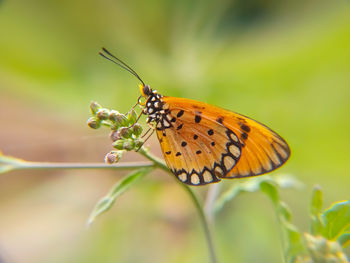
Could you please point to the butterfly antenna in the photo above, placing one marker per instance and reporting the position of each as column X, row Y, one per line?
column 109, row 56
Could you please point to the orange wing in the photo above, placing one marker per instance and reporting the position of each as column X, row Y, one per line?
column 202, row 143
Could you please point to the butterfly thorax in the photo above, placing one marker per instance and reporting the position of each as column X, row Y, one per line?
column 154, row 107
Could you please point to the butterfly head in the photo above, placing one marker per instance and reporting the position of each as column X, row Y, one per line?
column 145, row 90
column 153, row 104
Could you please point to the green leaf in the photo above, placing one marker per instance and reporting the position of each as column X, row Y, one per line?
column 269, row 188
column 344, row 239
column 253, row 185
column 120, row 187
column 315, row 210
column 316, row 201
column 336, row 220
column 284, row 211
column 294, row 241
column 235, row 190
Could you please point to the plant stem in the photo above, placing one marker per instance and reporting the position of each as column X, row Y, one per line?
column 159, row 163
column 48, row 165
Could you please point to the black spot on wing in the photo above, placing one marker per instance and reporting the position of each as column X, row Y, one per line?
column 197, row 118
column 220, row 119
column 180, row 113
column 244, row 136
column 245, row 128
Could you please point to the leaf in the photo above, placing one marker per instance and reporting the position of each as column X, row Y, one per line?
column 120, row 187
column 316, row 201
column 284, row 212
column 294, row 242
column 344, row 239
column 269, row 188
column 336, row 220
column 253, row 185
column 315, row 210
column 235, row 190
column 287, row 181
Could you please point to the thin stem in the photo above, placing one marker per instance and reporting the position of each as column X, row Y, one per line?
column 205, row 224
column 212, row 194
column 46, row 165
column 159, row 163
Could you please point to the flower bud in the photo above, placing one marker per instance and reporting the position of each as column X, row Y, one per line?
column 119, row 119
column 102, row 114
column 137, row 129
column 138, row 143
column 132, row 116
column 113, row 115
column 115, row 135
column 94, row 107
column 128, row 145
column 118, row 144
column 113, row 157
column 94, row 123
column 125, row 132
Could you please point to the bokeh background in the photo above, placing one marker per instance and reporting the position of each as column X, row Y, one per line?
column 284, row 63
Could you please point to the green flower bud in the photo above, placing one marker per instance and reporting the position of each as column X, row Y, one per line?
column 128, row 145
column 138, row 143
column 94, row 107
column 118, row 144
column 102, row 114
column 119, row 120
column 94, row 123
column 132, row 116
column 137, row 129
column 115, row 136
column 113, row 157
column 125, row 132
column 113, row 115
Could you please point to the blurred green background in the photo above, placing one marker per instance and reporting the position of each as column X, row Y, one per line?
column 284, row 63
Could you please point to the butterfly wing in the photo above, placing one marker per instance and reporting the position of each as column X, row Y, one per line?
column 202, row 143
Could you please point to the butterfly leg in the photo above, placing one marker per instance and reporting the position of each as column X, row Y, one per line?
column 149, row 136
column 137, row 119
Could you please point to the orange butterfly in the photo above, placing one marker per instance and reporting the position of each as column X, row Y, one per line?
column 202, row 143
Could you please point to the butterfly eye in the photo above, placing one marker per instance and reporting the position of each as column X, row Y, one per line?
column 146, row 90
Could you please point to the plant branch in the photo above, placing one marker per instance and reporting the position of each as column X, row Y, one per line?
column 18, row 164
column 159, row 163
column 46, row 165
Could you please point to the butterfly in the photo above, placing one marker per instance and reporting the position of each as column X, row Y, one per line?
column 202, row 143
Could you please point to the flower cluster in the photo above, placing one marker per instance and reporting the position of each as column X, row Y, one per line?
column 125, row 131
column 323, row 250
